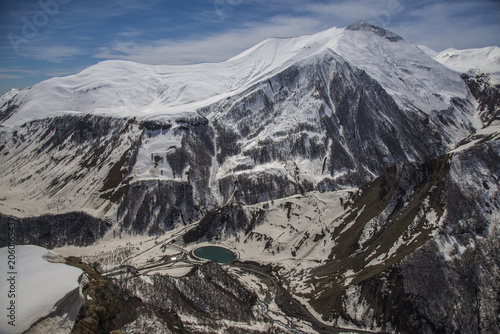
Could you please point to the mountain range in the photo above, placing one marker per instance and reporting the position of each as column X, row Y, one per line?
column 356, row 176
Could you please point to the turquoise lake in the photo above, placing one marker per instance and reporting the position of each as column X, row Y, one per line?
column 215, row 253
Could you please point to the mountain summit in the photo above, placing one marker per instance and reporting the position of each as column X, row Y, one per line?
column 364, row 26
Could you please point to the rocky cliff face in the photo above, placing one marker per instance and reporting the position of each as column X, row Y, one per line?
column 444, row 279
column 323, row 112
column 487, row 96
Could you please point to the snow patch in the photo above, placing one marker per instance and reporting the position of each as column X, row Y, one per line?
column 39, row 286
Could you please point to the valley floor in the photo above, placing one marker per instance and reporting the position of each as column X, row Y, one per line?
column 119, row 257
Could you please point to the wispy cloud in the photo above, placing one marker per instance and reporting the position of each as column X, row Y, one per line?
column 458, row 24
column 131, row 33
column 214, row 48
column 108, row 9
column 13, row 73
column 51, row 53
column 346, row 11
column 64, row 71
column 10, row 76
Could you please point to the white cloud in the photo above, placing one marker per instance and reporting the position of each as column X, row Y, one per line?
column 441, row 25
column 214, row 48
column 13, row 73
column 9, row 76
column 50, row 53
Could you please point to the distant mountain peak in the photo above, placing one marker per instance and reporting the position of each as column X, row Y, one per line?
column 481, row 60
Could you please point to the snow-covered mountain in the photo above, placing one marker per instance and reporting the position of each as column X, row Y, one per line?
column 127, row 89
column 332, row 109
column 483, row 60
column 480, row 68
column 341, row 162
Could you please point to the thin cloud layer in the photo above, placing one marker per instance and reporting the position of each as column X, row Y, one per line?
column 213, row 48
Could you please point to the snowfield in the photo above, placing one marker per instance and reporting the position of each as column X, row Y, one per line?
column 42, row 285
column 483, row 60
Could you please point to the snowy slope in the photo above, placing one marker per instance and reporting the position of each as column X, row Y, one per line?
column 40, row 286
column 126, row 89
column 428, row 51
column 402, row 68
column 480, row 69
column 483, row 60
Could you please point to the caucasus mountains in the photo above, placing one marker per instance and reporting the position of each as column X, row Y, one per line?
column 356, row 172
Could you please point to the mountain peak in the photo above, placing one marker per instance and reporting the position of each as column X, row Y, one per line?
column 360, row 25
column 365, row 26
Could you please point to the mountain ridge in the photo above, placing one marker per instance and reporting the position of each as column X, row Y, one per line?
column 164, row 89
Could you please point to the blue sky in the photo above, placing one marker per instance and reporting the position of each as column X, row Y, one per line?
column 40, row 39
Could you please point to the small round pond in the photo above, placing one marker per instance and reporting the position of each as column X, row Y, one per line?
column 215, row 253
